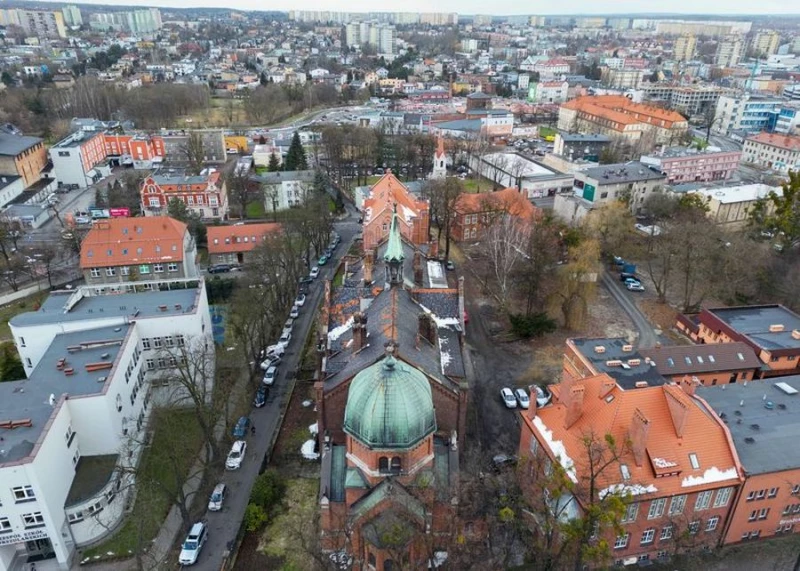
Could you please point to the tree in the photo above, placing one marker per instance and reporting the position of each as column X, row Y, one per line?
column 577, row 281
column 780, row 215
column 11, row 368
column 542, row 252
column 100, row 197
column 194, row 153
column 612, row 226
column 296, row 155
column 9, row 234
column 443, row 197
column 178, row 210
column 274, row 164
column 240, row 191
column 503, row 247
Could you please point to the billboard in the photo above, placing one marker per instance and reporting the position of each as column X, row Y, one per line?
column 119, row 212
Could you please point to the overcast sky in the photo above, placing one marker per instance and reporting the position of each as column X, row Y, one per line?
column 498, row 7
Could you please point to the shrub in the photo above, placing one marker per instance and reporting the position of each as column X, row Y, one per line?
column 254, row 517
column 528, row 326
column 268, row 490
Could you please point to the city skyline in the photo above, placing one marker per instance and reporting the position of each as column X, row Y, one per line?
column 501, row 8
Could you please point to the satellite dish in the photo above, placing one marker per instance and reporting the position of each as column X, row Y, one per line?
column 52, row 399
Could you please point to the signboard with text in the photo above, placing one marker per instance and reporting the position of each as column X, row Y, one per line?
column 119, row 212
column 27, row 535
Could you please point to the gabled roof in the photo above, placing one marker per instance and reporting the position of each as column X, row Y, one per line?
column 244, row 238
column 389, row 191
column 777, row 140
column 122, row 241
column 706, row 358
column 509, row 200
column 677, row 432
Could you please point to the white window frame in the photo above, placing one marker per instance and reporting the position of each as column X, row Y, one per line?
column 666, row 532
column 94, row 272
column 648, row 536
column 657, row 508
column 32, row 520
column 5, row 525
column 23, row 494
column 124, row 271
column 172, row 267
column 158, row 268
column 723, row 496
column 622, row 541
column 703, row 500
column 712, row 523
column 631, row 511
column 677, row 504
column 111, row 272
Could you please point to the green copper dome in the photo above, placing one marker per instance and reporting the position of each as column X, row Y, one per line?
column 389, row 405
column 394, row 249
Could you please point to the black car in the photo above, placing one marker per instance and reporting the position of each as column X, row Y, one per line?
column 502, row 461
column 261, row 396
column 306, row 280
column 625, row 275
column 219, row 269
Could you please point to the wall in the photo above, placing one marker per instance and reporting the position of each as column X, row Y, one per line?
column 782, row 485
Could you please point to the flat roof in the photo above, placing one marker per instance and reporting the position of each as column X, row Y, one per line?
column 29, row 398
column 518, row 165
column 755, row 321
column 581, row 138
column 613, row 360
column 741, row 193
column 12, row 145
column 763, row 418
column 623, row 172
column 91, row 475
column 75, row 139
column 8, row 179
column 141, row 305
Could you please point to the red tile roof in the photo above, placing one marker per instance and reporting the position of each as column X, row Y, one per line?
column 777, row 140
column 242, row 238
column 123, row 241
column 508, row 199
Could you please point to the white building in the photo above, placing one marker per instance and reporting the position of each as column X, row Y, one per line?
column 778, row 152
column 746, row 112
column 75, row 158
column 729, row 51
column 284, row 189
column 71, row 430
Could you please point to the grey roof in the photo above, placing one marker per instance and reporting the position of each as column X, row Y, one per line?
column 626, row 376
column 177, row 175
column 123, row 306
column 12, row 145
column 754, row 322
column 581, row 138
column 91, row 475
column 632, row 171
column 705, row 358
column 8, row 179
column 338, row 473
column 766, row 427
column 29, row 398
column 478, row 95
column 75, row 139
column 497, row 112
column 460, row 125
column 280, row 176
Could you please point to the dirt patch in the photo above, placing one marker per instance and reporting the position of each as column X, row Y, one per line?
column 780, row 554
column 606, row 318
column 661, row 315
column 294, row 432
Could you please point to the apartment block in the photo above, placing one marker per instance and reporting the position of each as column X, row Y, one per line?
column 766, row 42
column 39, row 23
column 680, row 164
column 72, row 15
column 22, row 156
column 76, row 157
column 234, row 244
column 730, row 50
column 205, row 194
column 730, row 206
column 747, row 112
column 625, row 78
column 774, row 151
column 684, row 48
column 687, row 99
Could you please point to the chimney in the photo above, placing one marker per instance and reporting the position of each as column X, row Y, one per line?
column 678, row 408
column 606, row 387
column 359, row 331
column 531, row 412
column 688, row 384
column 426, row 328
column 637, row 432
column 367, row 270
column 574, row 404
column 417, row 265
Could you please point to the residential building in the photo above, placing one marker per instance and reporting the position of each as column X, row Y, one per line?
column 212, row 142
column 678, row 476
column 72, row 15
column 709, row 364
column 686, row 99
column 773, row 332
column 532, row 178
column 684, row 48
column 439, row 18
column 702, row 28
column 787, row 119
column 11, row 186
column 384, row 196
column 473, row 213
column 578, row 146
column 613, row 356
column 730, row 50
column 382, row 36
column 766, row 42
column 549, row 69
column 76, row 157
column 392, row 403
column 73, row 430
column 774, row 151
column 131, row 249
column 133, row 149
column 548, row 92
column 625, row 78
column 730, row 206
column 206, row 193
column 748, row 112
column 39, row 23
column 285, row 189
column 234, row 244
column 142, row 21
column 764, row 431
column 680, row 164
column 22, row 156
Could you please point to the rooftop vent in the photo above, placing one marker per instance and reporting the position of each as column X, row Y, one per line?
column 105, row 355
column 795, row 333
column 634, row 362
column 627, row 348
column 162, row 307
column 755, row 426
column 641, row 384
column 776, row 328
column 749, row 439
column 599, row 349
column 613, row 363
column 101, row 379
column 117, row 329
column 786, row 387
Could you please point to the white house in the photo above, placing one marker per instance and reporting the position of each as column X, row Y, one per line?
column 284, row 189
column 73, row 428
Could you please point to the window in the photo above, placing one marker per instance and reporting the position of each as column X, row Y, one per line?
column 150, row 364
column 723, row 495
column 755, row 534
column 124, row 271
column 753, row 515
column 172, row 267
column 144, row 269
column 169, row 343
column 760, row 494
column 703, row 500
column 110, row 272
column 622, row 541
column 158, row 268
column 666, row 532
column 145, row 343
column 647, row 536
column 657, row 508
column 35, row 519
column 694, row 461
column 69, row 436
column 23, row 494
column 383, row 464
column 397, row 465
column 154, row 202
column 677, row 504
column 712, row 522
column 5, row 525
column 694, row 527
column 95, row 272
column 158, row 342
column 763, row 513
column 631, row 511
column 772, row 492
column 75, row 518
column 180, row 342
column 751, row 496
column 22, row 341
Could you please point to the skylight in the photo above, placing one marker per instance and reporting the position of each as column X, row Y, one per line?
column 688, row 360
column 694, row 461
column 670, row 362
column 700, row 359
column 741, row 357
column 711, row 358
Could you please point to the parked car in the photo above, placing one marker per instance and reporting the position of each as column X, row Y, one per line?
column 286, row 337
column 624, row 276
column 306, row 280
column 543, row 395
column 300, row 300
column 261, row 396
column 270, row 376
column 219, row 269
column 618, row 261
column 241, row 427
column 314, row 273
column 328, row 254
column 503, row 460
column 450, row 266
column 217, row 497
column 322, row 260
column 269, row 362
column 635, row 286
column 190, row 550
column 522, row 398
column 295, row 312
column 508, row 398
column 631, row 281
column 236, row 455
column 276, row 350
column 288, row 324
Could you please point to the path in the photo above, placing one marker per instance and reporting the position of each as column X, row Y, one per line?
column 648, row 335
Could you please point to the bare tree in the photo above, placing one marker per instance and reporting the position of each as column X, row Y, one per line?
column 194, row 152
column 578, row 282
column 240, row 191
column 443, row 197
column 504, row 245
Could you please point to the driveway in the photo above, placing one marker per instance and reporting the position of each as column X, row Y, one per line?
column 224, row 525
column 648, row 335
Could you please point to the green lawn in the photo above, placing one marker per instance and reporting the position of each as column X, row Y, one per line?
column 373, row 179
column 256, row 210
column 477, row 184
column 152, row 503
column 299, row 516
column 546, row 132
column 30, row 303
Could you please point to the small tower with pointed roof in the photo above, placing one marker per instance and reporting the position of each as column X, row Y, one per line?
column 439, row 161
column 394, row 253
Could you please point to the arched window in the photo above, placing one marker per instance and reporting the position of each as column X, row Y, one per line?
column 396, row 464
column 388, row 565
column 383, row 464
column 371, row 560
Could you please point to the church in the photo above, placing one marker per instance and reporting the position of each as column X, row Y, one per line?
column 391, row 396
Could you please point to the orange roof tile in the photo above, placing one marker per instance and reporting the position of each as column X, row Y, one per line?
column 122, row 241
column 777, row 140
column 242, row 238
column 677, row 426
column 508, row 199
column 388, row 191
column 622, row 104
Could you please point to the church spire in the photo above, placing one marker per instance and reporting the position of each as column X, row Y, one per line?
column 394, row 252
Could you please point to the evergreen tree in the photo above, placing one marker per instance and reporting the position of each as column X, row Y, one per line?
column 273, row 164
column 295, row 156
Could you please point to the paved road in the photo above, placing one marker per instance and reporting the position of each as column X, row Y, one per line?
column 724, row 143
column 648, row 336
column 223, row 525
